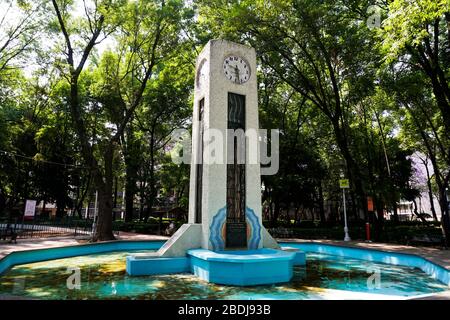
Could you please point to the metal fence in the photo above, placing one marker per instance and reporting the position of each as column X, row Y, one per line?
column 47, row 228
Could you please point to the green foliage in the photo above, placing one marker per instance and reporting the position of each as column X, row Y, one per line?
column 345, row 98
column 408, row 24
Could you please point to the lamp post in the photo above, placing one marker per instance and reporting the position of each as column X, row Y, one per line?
column 344, row 184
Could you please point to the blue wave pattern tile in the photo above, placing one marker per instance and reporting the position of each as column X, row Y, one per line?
column 216, row 229
column 255, row 229
column 216, row 236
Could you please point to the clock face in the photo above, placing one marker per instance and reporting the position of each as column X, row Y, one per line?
column 202, row 73
column 236, row 69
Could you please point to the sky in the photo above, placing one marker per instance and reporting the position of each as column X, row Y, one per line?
column 11, row 16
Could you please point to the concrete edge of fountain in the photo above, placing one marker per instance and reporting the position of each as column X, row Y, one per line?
column 138, row 266
column 241, row 256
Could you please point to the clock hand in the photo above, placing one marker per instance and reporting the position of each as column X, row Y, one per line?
column 236, row 71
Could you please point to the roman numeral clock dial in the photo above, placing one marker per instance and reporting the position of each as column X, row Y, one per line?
column 236, row 69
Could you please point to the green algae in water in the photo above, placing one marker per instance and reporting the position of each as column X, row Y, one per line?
column 103, row 276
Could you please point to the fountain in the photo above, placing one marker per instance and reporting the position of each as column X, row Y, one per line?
column 224, row 240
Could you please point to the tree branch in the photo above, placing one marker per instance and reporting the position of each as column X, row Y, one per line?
column 65, row 33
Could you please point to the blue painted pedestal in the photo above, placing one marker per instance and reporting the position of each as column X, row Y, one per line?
column 242, row 268
column 239, row 268
column 151, row 266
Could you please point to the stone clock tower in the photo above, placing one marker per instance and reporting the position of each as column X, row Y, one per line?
column 224, row 240
column 225, row 186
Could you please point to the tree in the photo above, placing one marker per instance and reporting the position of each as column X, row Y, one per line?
column 322, row 51
column 166, row 108
column 346, row 98
column 144, row 32
column 417, row 47
column 119, row 78
column 422, row 128
column 18, row 37
column 417, row 34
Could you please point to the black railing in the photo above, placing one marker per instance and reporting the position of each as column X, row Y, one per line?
column 38, row 228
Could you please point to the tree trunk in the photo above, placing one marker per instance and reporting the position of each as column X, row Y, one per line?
column 395, row 209
column 296, row 222
column 270, row 213
column 160, row 227
column 441, row 181
column 43, row 207
column 417, row 213
column 129, row 200
column 276, row 213
column 430, row 193
column 445, row 220
column 447, row 19
column 80, row 200
column 132, row 161
column 152, row 181
column 142, row 186
column 130, row 187
column 60, row 206
column 353, row 171
column 62, row 194
column 321, row 205
column 433, row 71
column 103, row 230
column 149, row 211
column 378, row 219
column 115, row 198
column 353, row 208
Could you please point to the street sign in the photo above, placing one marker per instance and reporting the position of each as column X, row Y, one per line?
column 30, row 208
column 344, row 184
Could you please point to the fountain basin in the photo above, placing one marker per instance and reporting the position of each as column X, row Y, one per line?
column 240, row 268
column 339, row 272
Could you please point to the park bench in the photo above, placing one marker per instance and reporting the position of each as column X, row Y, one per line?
column 281, row 232
column 8, row 232
column 426, row 240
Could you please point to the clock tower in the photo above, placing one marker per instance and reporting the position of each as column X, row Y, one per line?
column 224, row 240
column 225, row 181
column 225, row 178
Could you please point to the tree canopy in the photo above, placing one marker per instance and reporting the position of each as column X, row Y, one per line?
column 90, row 92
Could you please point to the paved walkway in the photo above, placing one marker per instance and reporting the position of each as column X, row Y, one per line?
column 41, row 243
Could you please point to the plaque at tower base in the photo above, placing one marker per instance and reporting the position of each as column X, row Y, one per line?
column 225, row 214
